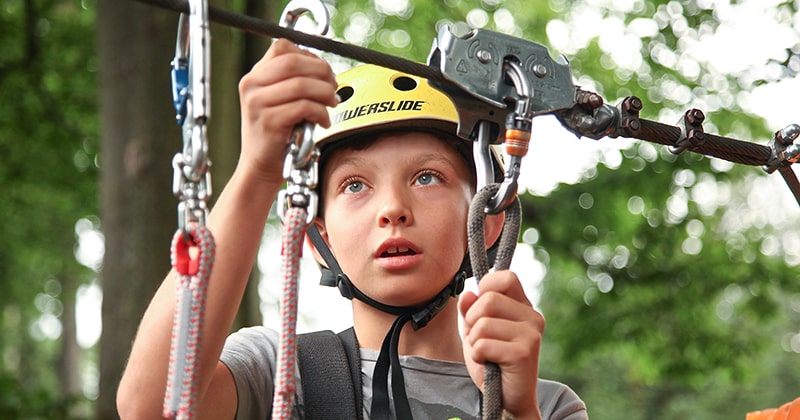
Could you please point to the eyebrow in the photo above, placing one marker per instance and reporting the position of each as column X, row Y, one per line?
column 416, row 159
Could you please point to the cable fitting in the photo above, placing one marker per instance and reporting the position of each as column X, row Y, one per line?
column 692, row 134
column 784, row 151
column 593, row 118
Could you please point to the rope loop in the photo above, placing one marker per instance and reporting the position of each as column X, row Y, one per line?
column 292, row 249
column 193, row 272
column 492, row 404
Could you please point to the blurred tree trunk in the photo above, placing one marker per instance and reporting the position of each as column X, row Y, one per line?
column 229, row 61
column 253, row 49
column 69, row 361
column 138, row 139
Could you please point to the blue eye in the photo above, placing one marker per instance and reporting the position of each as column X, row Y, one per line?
column 354, row 187
column 428, row 178
column 425, row 179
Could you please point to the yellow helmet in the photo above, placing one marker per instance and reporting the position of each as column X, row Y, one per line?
column 377, row 98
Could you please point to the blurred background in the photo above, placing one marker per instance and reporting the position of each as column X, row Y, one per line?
column 669, row 283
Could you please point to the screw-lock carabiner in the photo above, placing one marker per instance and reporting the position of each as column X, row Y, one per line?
column 517, row 138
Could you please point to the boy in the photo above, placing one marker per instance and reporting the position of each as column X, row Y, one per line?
column 395, row 192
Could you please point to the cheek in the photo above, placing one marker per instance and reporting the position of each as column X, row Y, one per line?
column 345, row 230
column 452, row 228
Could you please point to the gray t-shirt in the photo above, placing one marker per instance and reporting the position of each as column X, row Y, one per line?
column 437, row 390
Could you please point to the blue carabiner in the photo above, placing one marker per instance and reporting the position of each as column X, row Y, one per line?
column 180, row 70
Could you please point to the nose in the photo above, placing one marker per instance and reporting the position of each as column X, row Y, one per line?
column 394, row 209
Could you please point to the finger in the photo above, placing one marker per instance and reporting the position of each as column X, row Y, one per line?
column 506, row 330
column 259, row 102
column 504, row 342
column 495, row 305
column 285, row 67
column 465, row 302
column 283, row 46
column 505, row 282
column 302, row 88
column 278, row 47
column 287, row 115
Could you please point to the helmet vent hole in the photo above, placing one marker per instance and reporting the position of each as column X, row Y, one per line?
column 404, row 83
column 345, row 93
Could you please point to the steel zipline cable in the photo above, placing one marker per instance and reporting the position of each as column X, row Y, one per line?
column 261, row 27
column 732, row 150
column 737, row 151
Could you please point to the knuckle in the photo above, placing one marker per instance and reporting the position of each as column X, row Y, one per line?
column 492, row 299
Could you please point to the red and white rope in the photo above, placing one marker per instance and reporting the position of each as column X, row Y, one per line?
column 292, row 249
column 193, row 272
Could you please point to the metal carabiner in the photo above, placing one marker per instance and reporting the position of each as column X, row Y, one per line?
column 517, row 138
column 300, row 164
column 296, row 8
column 190, row 96
column 303, row 134
column 180, row 69
column 200, row 60
column 481, row 152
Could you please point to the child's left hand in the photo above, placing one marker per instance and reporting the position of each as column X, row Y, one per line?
column 501, row 326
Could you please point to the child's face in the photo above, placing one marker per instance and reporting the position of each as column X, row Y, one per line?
column 395, row 215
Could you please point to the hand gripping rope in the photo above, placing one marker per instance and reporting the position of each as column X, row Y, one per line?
column 297, row 205
column 193, row 245
column 492, row 407
column 493, row 198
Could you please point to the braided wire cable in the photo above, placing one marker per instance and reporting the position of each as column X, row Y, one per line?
column 292, row 249
column 492, row 408
column 264, row 28
column 792, row 181
column 732, row 150
column 192, row 286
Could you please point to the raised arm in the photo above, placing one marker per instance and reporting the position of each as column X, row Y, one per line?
column 286, row 87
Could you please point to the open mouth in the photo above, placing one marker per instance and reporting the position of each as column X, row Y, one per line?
column 397, row 252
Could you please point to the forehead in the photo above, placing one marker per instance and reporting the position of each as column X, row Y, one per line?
column 390, row 146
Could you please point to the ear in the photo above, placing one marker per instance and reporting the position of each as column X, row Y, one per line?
column 320, row 225
column 493, row 228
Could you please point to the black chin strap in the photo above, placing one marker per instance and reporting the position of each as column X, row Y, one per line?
column 388, row 358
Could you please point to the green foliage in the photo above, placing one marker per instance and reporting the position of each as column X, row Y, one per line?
column 48, row 145
column 624, row 264
column 656, row 307
column 39, row 403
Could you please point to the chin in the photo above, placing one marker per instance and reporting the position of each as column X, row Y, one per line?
column 415, row 297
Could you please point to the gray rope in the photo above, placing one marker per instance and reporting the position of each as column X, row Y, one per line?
column 492, row 385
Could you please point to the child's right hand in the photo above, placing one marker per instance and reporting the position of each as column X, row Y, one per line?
column 286, row 87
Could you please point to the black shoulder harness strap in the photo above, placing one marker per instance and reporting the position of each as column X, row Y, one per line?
column 330, row 368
